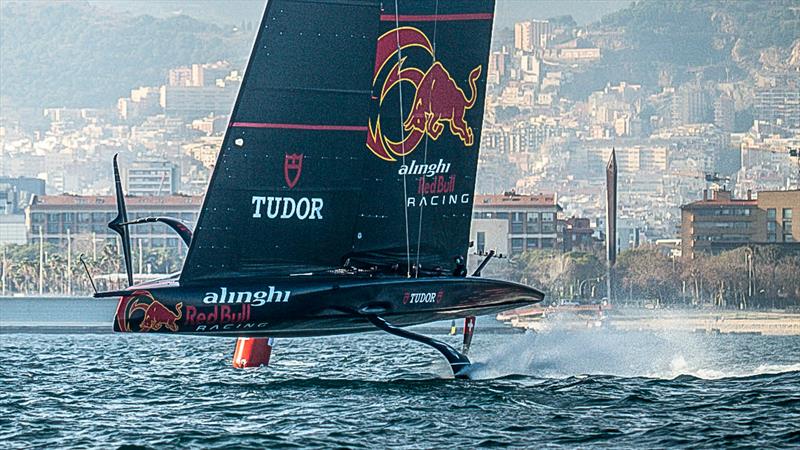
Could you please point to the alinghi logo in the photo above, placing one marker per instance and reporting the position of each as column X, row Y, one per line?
column 428, row 170
column 256, row 298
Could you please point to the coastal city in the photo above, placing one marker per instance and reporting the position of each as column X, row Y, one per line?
column 401, row 224
column 705, row 165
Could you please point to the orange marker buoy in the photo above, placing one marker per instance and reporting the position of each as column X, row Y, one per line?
column 252, row 352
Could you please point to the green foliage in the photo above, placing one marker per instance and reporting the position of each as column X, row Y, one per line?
column 679, row 32
column 566, row 21
column 27, row 253
column 559, row 275
column 645, row 272
column 711, row 280
column 20, row 269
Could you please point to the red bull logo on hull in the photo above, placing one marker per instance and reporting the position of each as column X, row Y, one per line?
column 155, row 315
column 438, row 100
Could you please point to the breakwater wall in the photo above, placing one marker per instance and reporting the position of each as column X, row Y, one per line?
column 56, row 314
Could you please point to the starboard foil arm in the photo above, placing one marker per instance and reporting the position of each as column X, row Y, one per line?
column 459, row 362
column 469, row 331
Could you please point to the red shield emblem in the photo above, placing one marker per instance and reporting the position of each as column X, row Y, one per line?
column 292, row 167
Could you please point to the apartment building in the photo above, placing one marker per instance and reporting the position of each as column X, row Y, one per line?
column 512, row 223
column 720, row 222
column 76, row 216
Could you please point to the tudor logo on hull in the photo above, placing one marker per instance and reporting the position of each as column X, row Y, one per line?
column 422, row 297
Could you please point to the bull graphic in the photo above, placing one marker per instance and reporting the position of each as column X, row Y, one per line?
column 156, row 315
column 439, row 99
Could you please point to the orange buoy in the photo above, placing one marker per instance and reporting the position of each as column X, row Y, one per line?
column 252, row 352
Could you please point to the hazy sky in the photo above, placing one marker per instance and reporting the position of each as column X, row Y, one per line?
column 583, row 11
column 236, row 11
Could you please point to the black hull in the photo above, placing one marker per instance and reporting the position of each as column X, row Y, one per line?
column 314, row 308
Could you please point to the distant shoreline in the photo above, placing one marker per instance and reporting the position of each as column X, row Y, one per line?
column 772, row 323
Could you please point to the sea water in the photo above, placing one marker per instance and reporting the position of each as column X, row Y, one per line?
column 556, row 389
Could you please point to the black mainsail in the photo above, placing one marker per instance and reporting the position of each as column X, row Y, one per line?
column 353, row 142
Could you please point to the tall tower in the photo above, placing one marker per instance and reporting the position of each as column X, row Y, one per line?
column 522, row 36
column 611, row 219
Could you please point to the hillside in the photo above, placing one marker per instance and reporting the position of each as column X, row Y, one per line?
column 679, row 39
column 90, row 53
column 76, row 55
column 225, row 14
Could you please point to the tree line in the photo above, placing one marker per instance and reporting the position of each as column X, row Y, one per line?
column 744, row 278
column 55, row 270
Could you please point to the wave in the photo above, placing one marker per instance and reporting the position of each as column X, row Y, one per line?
column 680, row 366
column 562, row 354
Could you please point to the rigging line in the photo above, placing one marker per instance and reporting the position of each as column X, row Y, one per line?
column 427, row 139
column 403, row 137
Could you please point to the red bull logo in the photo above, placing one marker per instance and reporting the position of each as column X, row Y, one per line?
column 155, row 315
column 438, row 100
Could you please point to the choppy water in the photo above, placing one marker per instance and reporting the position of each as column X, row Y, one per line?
column 602, row 389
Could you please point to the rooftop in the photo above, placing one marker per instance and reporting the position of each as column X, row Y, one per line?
column 512, row 199
column 711, row 203
column 720, row 198
column 108, row 201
